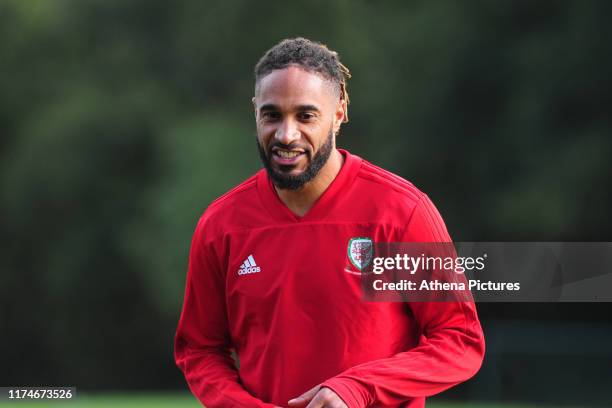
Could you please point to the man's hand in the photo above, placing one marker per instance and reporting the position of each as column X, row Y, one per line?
column 318, row 397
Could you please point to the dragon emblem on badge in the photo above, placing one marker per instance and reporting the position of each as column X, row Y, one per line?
column 360, row 251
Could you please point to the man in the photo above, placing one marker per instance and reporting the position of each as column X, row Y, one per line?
column 269, row 275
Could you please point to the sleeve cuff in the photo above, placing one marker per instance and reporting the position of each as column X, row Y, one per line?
column 354, row 394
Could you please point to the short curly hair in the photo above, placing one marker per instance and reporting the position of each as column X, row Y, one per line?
column 310, row 55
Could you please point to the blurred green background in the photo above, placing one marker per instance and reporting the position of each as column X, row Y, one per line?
column 121, row 120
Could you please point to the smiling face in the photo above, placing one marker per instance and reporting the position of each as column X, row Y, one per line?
column 298, row 114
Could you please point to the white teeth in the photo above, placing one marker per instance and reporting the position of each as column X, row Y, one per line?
column 287, row 155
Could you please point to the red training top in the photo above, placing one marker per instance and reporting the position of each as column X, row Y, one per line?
column 275, row 287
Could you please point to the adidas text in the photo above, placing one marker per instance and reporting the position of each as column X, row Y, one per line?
column 252, row 269
column 249, row 266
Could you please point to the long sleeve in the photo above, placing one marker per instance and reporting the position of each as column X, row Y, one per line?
column 450, row 350
column 202, row 343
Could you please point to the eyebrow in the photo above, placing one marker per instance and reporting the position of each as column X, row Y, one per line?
column 300, row 108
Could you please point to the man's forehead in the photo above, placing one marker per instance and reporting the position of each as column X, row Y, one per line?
column 296, row 82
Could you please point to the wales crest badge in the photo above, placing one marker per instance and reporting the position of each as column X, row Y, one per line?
column 360, row 251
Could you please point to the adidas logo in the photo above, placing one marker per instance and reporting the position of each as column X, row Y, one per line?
column 249, row 266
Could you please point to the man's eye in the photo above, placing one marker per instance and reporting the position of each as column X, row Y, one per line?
column 306, row 116
column 270, row 115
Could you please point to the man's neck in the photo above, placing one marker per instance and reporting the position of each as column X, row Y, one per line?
column 302, row 200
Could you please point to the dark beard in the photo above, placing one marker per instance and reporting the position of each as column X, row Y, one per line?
column 288, row 182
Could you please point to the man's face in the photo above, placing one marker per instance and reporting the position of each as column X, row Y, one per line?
column 297, row 114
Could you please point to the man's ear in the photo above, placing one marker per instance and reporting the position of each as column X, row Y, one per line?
column 345, row 109
column 341, row 115
column 254, row 106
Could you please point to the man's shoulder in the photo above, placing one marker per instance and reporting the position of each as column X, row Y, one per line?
column 383, row 184
column 225, row 211
column 234, row 196
column 396, row 201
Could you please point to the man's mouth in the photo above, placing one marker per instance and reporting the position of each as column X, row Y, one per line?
column 286, row 157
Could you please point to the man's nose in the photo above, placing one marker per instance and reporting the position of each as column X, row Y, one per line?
column 287, row 132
